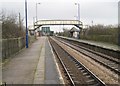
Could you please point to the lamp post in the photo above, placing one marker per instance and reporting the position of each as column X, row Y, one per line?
column 33, row 20
column 78, row 5
column 36, row 11
column 26, row 24
column 78, row 10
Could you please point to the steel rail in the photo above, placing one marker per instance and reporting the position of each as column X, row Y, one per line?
column 80, row 67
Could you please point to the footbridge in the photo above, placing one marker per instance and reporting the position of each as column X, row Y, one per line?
column 40, row 23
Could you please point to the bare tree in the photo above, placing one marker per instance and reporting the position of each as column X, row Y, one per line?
column 11, row 27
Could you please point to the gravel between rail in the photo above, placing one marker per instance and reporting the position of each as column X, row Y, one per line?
column 103, row 73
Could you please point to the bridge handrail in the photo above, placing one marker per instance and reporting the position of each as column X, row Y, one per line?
column 55, row 22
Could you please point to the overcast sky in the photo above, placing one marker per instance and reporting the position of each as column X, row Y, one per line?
column 99, row 11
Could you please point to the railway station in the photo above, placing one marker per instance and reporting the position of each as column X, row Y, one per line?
column 58, row 51
column 42, row 63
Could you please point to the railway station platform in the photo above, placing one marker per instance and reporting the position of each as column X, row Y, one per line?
column 35, row 65
column 99, row 44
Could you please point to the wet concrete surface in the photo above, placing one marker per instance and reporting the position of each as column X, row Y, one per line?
column 51, row 75
column 20, row 69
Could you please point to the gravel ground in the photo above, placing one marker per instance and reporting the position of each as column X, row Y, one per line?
column 103, row 73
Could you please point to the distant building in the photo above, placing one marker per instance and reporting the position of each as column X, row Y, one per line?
column 45, row 31
column 75, row 33
column 31, row 30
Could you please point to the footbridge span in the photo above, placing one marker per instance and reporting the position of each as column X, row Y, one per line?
column 40, row 23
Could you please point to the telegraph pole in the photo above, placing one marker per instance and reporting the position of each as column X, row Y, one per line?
column 19, row 21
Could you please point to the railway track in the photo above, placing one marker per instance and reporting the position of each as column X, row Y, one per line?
column 107, row 61
column 77, row 73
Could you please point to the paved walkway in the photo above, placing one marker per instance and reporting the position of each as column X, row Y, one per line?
column 51, row 72
column 34, row 65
